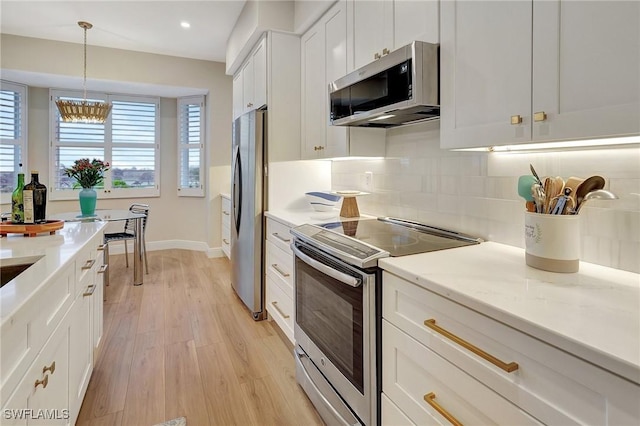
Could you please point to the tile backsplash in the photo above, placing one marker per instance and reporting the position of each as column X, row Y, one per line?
column 477, row 193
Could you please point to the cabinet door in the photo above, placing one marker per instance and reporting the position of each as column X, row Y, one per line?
column 586, row 68
column 247, row 87
column 238, row 106
column 314, row 92
column 485, row 78
column 259, row 59
column 97, row 306
column 414, row 20
column 368, row 31
column 80, row 350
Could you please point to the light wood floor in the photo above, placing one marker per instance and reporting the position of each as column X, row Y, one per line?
column 183, row 344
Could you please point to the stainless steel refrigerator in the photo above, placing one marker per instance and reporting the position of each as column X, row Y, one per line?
column 248, row 201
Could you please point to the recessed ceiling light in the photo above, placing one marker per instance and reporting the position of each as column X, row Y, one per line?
column 185, row 24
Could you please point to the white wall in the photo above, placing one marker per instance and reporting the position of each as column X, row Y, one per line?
column 172, row 218
column 477, row 192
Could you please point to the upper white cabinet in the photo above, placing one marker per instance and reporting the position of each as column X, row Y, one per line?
column 379, row 27
column 250, row 82
column 324, row 57
column 516, row 72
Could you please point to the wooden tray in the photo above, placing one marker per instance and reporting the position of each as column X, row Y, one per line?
column 31, row 230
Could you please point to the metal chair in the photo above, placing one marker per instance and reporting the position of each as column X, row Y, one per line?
column 129, row 233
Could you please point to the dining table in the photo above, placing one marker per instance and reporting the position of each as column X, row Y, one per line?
column 113, row 215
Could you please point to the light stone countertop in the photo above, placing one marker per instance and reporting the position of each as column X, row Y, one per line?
column 293, row 218
column 593, row 314
column 57, row 250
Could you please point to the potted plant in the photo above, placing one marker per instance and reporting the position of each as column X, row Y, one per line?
column 87, row 174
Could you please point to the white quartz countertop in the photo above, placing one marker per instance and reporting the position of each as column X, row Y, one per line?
column 593, row 314
column 57, row 251
column 293, row 218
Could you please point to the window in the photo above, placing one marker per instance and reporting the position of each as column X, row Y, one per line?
column 191, row 146
column 13, row 137
column 129, row 141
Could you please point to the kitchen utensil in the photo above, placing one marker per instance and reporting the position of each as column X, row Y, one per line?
column 525, row 183
column 538, row 197
column 598, row 194
column 547, row 194
column 563, row 203
column 592, row 183
column 573, row 183
column 533, row 172
column 555, row 191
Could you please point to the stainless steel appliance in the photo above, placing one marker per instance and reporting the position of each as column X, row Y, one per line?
column 399, row 88
column 248, row 201
column 338, row 288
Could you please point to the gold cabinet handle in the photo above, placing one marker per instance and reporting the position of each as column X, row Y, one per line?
column 430, row 398
column 101, row 247
column 103, row 268
column 508, row 367
column 540, row 116
column 516, row 119
column 249, row 105
column 377, row 56
column 224, row 240
column 385, row 51
column 286, row 240
column 51, row 368
column 44, row 382
column 90, row 290
column 224, row 212
column 89, row 264
column 275, row 305
column 280, row 271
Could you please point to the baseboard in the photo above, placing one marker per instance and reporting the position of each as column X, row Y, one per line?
column 211, row 252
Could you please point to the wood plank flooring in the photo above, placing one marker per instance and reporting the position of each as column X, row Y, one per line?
column 183, row 344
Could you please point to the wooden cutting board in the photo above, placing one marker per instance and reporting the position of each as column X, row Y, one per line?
column 31, row 230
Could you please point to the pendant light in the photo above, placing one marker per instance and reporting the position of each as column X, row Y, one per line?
column 84, row 111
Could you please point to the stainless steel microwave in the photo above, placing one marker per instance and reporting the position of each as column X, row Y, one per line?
column 397, row 89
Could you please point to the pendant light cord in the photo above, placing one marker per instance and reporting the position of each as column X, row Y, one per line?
column 84, row 83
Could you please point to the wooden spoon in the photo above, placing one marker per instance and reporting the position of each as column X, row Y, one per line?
column 573, row 183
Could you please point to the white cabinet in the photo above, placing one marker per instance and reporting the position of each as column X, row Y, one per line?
column 279, row 298
column 250, row 82
column 324, row 57
column 555, row 76
column 225, row 214
column 483, row 371
column 379, row 27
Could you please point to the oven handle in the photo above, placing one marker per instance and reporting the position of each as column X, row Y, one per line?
column 343, row 278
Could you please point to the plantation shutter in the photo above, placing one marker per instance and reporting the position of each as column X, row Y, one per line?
column 191, row 146
column 13, row 139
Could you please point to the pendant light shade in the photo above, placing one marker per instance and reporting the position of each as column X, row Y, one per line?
column 84, row 111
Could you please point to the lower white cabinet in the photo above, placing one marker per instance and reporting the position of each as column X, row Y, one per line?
column 279, row 278
column 225, row 213
column 442, row 357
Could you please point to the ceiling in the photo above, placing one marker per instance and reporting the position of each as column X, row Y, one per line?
column 144, row 26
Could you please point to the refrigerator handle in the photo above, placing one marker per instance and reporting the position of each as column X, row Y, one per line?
column 237, row 190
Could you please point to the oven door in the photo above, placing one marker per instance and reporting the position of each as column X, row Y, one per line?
column 335, row 325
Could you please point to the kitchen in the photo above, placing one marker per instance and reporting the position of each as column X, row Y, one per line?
column 471, row 192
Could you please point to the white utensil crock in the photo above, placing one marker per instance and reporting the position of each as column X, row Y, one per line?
column 552, row 242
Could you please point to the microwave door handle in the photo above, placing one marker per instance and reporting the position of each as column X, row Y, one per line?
column 343, row 278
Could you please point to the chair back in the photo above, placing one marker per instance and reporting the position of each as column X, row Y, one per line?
column 130, row 225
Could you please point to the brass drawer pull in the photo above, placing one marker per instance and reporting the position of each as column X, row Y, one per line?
column 44, row 382
column 224, row 212
column 516, row 119
column 224, row 240
column 508, row 367
column 103, row 268
column 540, row 116
column 430, row 398
column 101, row 247
column 377, row 56
column 385, row 51
column 51, row 368
column 91, row 289
column 286, row 240
column 280, row 271
column 275, row 305
column 89, row 264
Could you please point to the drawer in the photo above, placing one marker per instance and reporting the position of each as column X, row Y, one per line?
column 86, row 260
column 280, row 308
column 391, row 414
column 226, row 241
column 551, row 385
column 226, row 212
column 279, row 234
column 426, row 387
column 279, row 266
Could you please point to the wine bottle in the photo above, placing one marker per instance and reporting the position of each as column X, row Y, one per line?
column 17, row 206
column 35, row 200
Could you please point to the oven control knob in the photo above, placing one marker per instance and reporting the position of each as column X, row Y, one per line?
column 322, row 361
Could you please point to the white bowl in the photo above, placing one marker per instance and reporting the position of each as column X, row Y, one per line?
column 322, row 201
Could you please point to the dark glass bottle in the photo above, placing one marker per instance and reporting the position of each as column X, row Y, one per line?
column 17, row 206
column 34, row 197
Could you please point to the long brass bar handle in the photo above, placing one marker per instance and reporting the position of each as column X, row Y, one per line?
column 44, row 382
column 280, row 271
column 51, row 368
column 101, row 247
column 286, row 240
column 224, row 212
column 224, row 240
column 103, row 268
column 89, row 264
column 430, row 398
column 91, row 289
column 508, row 367
column 275, row 305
